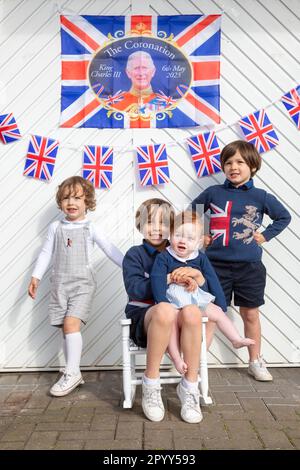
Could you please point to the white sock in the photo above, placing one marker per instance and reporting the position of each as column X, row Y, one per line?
column 191, row 386
column 150, row 382
column 64, row 348
column 73, row 350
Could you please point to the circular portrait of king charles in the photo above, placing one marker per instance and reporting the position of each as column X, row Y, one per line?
column 140, row 76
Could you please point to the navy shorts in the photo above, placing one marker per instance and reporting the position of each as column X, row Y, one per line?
column 137, row 333
column 244, row 281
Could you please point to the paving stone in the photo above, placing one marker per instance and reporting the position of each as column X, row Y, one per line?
column 9, row 378
column 69, row 445
column 282, row 412
column 18, row 432
column 296, row 442
column 62, row 427
column 18, row 398
column 83, row 415
column 233, row 444
column 276, row 440
column 187, row 444
column 291, row 428
column 132, row 432
column 225, row 398
column 101, row 444
column 86, row 435
column 103, row 422
column 42, row 440
column 12, row 445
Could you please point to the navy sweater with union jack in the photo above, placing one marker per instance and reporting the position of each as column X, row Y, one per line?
column 235, row 214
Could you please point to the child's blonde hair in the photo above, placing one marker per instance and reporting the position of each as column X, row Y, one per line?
column 247, row 151
column 148, row 210
column 71, row 185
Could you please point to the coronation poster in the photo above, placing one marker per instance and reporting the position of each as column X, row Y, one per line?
column 140, row 71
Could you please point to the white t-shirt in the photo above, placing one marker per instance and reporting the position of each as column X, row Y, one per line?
column 95, row 236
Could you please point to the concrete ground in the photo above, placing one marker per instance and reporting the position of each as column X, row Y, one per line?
column 245, row 415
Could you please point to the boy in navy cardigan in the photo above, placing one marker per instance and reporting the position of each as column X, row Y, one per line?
column 183, row 252
column 237, row 210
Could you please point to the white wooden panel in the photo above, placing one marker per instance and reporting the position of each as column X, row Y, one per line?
column 260, row 61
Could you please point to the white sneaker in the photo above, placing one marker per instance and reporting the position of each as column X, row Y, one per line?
column 259, row 371
column 66, row 384
column 152, row 403
column 190, row 404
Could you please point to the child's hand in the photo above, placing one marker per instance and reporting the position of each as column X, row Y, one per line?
column 259, row 238
column 207, row 241
column 190, row 284
column 178, row 273
column 33, row 286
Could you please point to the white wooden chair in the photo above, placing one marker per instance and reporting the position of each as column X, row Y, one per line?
column 132, row 378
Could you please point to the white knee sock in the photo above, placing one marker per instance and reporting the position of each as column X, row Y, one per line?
column 73, row 351
column 64, row 348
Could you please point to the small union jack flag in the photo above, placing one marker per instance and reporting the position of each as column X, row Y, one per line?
column 164, row 99
column 112, row 99
column 205, row 152
column 153, row 164
column 220, row 222
column 41, row 157
column 98, row 165
column 9, row 131
column 291, row 101
column 259, row 131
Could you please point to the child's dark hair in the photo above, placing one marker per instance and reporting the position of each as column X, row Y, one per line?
column 148, row 209
column 248, row 153
column 71, row 185
column 186, row 217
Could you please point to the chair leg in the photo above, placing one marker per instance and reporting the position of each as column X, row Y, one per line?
column 128, row 365
column 203, row 370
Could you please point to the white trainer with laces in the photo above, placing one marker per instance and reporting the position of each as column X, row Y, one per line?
column 190, row 404
column 66, row 384
column 152, row 403
column 259, row 371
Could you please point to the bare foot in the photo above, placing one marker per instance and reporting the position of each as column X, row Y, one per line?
column 243, row 342
column 180, row 365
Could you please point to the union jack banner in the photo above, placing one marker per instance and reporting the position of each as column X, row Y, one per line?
column 113, row 66
column 98, row 165
column 41, row 157
column 291, row 101
column 259, row 131
column 9, row 131
column 220, row 222
column 153, row 164
column 205, row 152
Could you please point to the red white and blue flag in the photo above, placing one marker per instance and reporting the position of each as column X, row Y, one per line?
column 96, row 89
column 259, row 131
column 98, row 165
column 291, row 101
column 9, row 131
column 220, row 222
column 153, row 164
column 205, row 152
column 41, row 157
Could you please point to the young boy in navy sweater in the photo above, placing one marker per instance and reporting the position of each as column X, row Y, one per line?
column 237, row 210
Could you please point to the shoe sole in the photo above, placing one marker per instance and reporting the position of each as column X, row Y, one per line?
column 69, row 390
column 259, row 380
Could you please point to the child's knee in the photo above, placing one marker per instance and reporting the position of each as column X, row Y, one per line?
column 191, row 314
column 165, row 314
column 71, row 325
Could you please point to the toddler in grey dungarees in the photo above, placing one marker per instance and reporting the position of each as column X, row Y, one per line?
column 69, row 244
